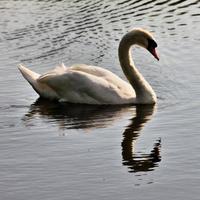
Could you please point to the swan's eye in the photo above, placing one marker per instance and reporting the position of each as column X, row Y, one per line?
column 151, row 44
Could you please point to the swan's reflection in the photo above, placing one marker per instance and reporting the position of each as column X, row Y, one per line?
column 74, row 116
column 139, row 162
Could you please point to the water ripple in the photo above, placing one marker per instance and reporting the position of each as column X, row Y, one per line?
column 42, row 34
column 66, row 35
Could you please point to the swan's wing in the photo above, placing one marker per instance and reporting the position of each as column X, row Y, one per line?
column 89, row 70
column 81, row 87
column 60, row 69
column 105, row 74
column 96, row 71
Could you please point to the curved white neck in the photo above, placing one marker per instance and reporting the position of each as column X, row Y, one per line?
column 144, row 92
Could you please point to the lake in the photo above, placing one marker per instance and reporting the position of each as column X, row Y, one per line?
column 52, row 150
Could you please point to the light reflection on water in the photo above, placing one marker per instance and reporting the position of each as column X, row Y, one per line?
column 101, row 143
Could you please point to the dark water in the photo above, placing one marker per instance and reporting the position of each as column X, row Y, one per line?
column 65, row 151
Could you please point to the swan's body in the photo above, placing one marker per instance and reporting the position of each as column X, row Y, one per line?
column 94, row 85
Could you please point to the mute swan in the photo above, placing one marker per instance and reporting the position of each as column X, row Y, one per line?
column 94, row 85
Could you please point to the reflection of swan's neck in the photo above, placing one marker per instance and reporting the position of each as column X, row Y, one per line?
column 138, row 162
column 144, row 92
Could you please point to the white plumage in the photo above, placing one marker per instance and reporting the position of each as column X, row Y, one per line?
column 81, row 84
column 94, row 85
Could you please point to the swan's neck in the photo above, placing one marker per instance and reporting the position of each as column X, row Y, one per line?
column 144, row 92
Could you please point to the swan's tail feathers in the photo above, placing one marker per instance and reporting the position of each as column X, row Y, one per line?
column 29, row 75
column 42, row 89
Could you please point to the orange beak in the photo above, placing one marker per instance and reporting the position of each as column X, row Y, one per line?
column 154, row 53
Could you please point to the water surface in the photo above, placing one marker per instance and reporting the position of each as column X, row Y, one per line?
column 50, row 150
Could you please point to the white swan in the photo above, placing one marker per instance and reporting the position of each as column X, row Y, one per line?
column 94, row 85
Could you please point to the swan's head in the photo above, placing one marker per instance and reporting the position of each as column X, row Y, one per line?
column 144, row 39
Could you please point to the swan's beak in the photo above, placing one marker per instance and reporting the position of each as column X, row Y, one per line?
column 154, row 53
